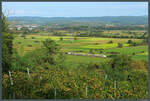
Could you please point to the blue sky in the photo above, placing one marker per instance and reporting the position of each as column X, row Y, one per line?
column 75, row 9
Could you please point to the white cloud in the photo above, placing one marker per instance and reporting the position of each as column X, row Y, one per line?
column 19, row 12
column 26, row 12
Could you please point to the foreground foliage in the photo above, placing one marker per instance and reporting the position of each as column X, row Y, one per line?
column 120, row 78
column 72, row 84
column 7, row 40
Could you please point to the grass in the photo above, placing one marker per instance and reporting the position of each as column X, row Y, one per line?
column 78, row 71
column 74, row 61
column 140, row 57
column 82, row 44
column 129, row 50
column 104, row 46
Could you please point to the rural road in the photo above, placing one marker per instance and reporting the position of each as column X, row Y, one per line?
column 86, row 54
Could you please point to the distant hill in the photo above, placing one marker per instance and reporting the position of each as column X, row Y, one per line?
column 128, row 20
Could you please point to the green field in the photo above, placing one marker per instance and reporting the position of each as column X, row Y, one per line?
column 82, row 45
column 70, row 75
column 79, row 58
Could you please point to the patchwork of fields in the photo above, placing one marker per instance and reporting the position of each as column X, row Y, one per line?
column 66, row 57
column 128, row 79
column 84, row 45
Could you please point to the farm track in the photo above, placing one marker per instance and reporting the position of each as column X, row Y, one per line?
column 85, row 54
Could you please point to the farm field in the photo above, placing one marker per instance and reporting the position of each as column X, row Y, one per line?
column 69, row 76
column 83, row 45
column 74, row 54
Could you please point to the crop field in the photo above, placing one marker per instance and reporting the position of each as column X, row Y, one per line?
column 83, row 45
column 82, row 76
column 74, row 60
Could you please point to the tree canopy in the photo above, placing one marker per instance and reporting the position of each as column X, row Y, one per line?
column 6, row 46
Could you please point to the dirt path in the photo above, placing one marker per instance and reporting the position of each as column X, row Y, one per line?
column 86, row 54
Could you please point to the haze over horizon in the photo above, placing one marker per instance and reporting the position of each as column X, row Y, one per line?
column 75, row 9
column 75, row 16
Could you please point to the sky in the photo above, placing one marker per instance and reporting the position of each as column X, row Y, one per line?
column 75, row 9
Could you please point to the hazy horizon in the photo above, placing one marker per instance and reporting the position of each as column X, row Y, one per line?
column 75, row 16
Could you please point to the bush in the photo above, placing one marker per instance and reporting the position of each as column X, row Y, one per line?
column 134, row 44
column 92, row 66
column 71, row 84
column 100, row 51
column 91, row 51
column 139, row 65
column 133, row 54
column 19, row 42
column 32, row 37
column 145, row 41
column 67, row 84
column 130, row 42
column 75, row 38
column 29, row 45
column 23, row 36
column 61, row 39
column 36, row 41
column 110, row 41
column 121, row 62
column 120, row 45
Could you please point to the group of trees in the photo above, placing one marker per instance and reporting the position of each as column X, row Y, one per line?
column 81, row 27
column 7, row 39
column 51, row 51
column 100, row 33
column 58, row 34
column 132, row 43
column 90, row 30
column 121, row 61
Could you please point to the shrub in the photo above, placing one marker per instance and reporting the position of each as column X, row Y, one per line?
column 19, row 42
column 134, row 44
column 29, row 45
column 91, row 51
column 133, row 54
column 120, row 45
column 36, row 41
column 23, row 36
column 145, row 41
column 130, row 42
column 121, row 62
column 71, row 84
column 32, row 37
column 92, row 66
column 61, row 39
column 100, row 51
column 138, row 65
column 110, row 41
column 75, row 38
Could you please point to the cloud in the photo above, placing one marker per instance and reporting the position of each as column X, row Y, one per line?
column 19, row 12
column 26, row 12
